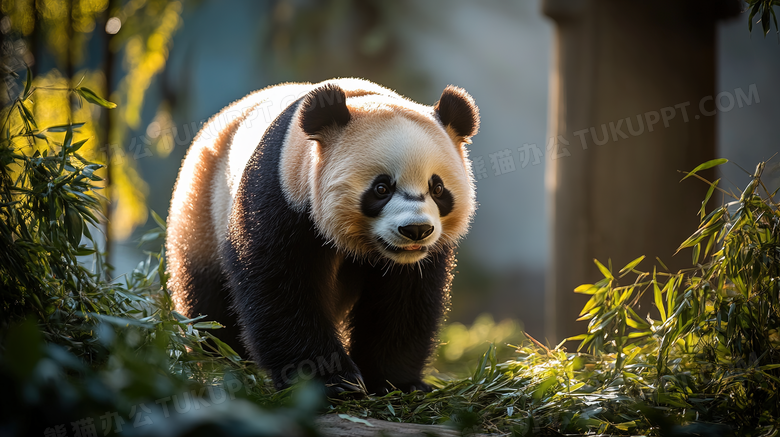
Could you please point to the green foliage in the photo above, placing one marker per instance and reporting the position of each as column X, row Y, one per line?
column 715, row 350
column 79, row 347
column 47, row 205
column 710, row 365
column 763, row 9
column 56, row 34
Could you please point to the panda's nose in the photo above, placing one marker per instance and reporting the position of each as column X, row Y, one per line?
column 415, row 232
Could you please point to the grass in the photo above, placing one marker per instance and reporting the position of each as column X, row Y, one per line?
column 710, row 365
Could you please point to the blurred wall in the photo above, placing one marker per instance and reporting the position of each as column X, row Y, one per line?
column 748, row 134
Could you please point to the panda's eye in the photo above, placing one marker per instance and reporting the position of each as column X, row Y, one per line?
column 381, row 189
column 438, row 189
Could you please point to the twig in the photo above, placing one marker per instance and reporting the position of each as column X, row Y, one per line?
column 536, row 342
column 708, row 182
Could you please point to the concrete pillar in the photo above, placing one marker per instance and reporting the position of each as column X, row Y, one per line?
column 626, row 86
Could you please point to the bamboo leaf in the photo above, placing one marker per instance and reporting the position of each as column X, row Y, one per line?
column 592, row 303
column 479, row 372
column 632, row 264
column 586, row 289
column 592, row 313
column 74, row 224
column 765, row 21
column 160, row 222
column 63, row 127
column 604, row 271
column 28, row 84
column 753, row 12
column 705, row 166
column 92, row 97
column 77, row 145
column 224, row 349
column 207, row 325
column 707, row 198
column 68, row 140
column 28, row 115
column 659, row 302
column 636, row 317
column 355, row 419
column 662, row 263
column 671, row 292
column 543, row 387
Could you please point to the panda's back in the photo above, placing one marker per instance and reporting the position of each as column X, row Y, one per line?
column 257, row 113
column 208, row 179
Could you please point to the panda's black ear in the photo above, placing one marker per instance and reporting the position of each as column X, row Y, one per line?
column 323, row 107
column 456, row 110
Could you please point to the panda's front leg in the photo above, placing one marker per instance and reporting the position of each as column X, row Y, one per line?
column 394, row 323
column 281, row 301
column 295, row 343
column 286, row 332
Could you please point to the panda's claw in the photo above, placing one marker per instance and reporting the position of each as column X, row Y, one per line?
column 420, row 386
column 345, row 386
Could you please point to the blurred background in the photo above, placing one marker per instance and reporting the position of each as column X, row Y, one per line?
column 539, row 71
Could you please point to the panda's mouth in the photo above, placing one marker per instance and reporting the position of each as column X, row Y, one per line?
column 389, row 247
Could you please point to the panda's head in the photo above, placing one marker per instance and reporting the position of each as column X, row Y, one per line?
column 387, row 176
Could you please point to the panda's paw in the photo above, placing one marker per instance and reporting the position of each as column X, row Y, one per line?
column 418, row 386
column 345, row 386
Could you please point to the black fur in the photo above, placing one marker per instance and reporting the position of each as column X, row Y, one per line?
column 370, row 203
column 394, row 322
column 209, row 285
column 445, row 201
column 457, row 109
column 323, row 107
column 280, row 271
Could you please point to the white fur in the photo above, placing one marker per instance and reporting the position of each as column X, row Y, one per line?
column 256, row 113
column 410, row 152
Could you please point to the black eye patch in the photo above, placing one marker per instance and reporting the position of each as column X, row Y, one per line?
column 377, row 195
column 444, row 199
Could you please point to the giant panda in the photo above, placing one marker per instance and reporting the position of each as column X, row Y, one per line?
column 318, row 222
